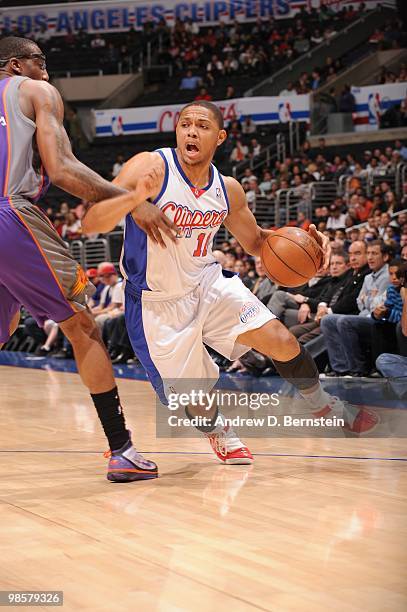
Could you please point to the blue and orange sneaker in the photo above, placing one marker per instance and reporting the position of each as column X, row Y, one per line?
column 127, row 465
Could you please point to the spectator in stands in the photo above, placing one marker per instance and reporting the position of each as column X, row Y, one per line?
column 328, row 297
column 289, row 90
column 109, row 277
column 291, row 308
column 75, row 131
column 203, row 95
column 347, row 102
column 317, row 37
column 395, row 366
column 337, row 218
column 50, row 330
column 316, row 79
column 230, row 93
column 254, row 148
column 240, row 151
column 93, row 276
column 363, row 207
column 98, row 42
column 248, row 126
column 189, row 81
column 71, row 229
column 341, row 296
column 253, row 192
column 344, row 334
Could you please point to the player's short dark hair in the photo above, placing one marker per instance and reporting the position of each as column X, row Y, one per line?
column 216, row 112
column 15, row 45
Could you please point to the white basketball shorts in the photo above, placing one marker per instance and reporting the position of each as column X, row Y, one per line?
column 168, row 336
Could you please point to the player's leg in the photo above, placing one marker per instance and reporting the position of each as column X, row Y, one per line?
column 9, row 315
column 51, row 285
column 294, row 363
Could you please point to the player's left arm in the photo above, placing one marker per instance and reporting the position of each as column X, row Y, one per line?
column 242, row 224
column 240, row 221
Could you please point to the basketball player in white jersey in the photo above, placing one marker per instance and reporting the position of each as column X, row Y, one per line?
column 178, row 297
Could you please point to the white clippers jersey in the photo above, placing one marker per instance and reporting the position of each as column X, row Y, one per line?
column 179, row 268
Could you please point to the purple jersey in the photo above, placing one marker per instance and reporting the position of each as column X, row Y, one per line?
column 36, row 268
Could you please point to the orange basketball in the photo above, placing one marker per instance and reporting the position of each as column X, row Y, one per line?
column 291, row 257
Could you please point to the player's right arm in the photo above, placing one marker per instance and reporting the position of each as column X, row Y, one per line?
column 54, row 147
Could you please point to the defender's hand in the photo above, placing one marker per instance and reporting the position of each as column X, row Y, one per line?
column 154, row 222
column 323, row 242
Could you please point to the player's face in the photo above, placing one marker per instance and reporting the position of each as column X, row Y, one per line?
column 198, row 135
column 32, row 65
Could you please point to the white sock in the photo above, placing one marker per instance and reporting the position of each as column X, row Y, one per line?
column 319, row 399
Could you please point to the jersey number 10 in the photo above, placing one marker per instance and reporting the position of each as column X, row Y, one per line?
column 202, row 246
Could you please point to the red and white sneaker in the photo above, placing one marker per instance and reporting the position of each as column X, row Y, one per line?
column 358, row 421
column 228, row 448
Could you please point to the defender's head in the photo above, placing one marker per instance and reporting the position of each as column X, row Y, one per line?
column 22, row 57
column 200, row 130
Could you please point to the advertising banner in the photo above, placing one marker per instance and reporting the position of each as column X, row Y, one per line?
column 373, row 101
column 263, row 110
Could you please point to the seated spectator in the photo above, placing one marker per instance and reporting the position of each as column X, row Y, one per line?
column 336, row 219
column 340, row 296
column 51, row 330
column 189, row 81
column 343, row 334
column 266, row 184
column 289, row 90
column 109, row 278
column 98, row 42
column 394, row 366
column 230, row 93
column 291, row 308
column 240, row 151
column 203, row 95
column 254, row 148
column 363, row 208
column 253, row 192
column 248, row 126
column 71, row 229
column 93, row 276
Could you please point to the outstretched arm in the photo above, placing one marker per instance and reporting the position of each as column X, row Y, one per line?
column 243, row 225
column 55, row 150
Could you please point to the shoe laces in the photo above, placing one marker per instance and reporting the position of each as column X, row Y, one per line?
column 218, row 443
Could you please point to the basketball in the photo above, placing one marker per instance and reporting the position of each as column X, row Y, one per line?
column 291, row 256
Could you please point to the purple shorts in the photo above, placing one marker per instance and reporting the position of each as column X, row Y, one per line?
column 36, row 269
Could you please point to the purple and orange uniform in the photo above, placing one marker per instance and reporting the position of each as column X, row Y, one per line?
column 36, row 269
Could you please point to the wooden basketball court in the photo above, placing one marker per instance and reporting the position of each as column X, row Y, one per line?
column 314, row 525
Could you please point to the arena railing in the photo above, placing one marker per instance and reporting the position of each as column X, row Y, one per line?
column 323, row 193
column 95, row 251
column 271, row 153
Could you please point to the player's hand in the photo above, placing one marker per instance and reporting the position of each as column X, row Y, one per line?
column 299, row 298
column 323, row 242
column 303, row 313
column 155, row 223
